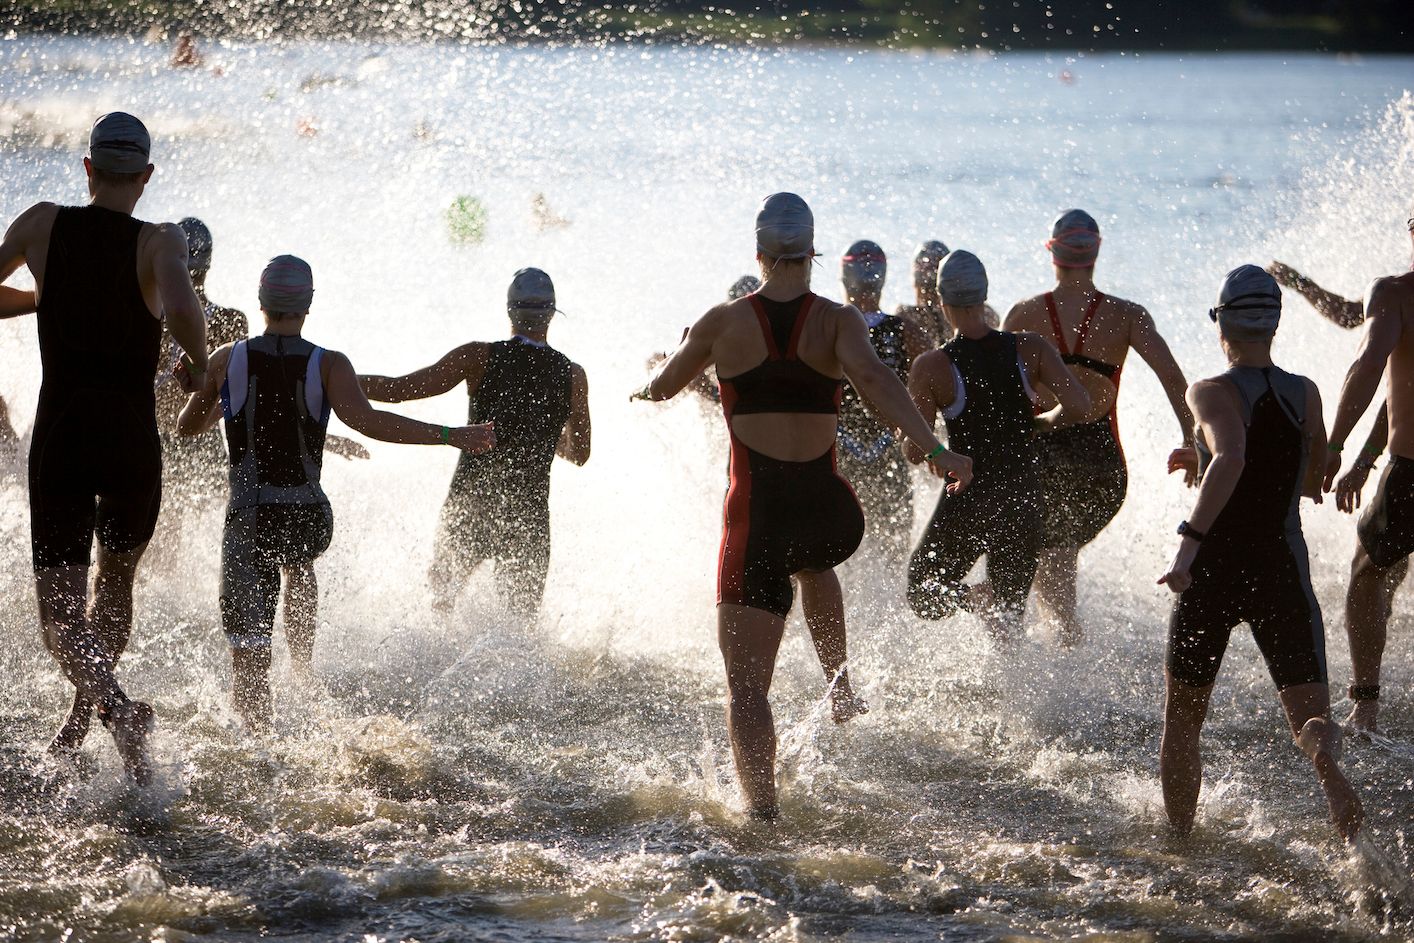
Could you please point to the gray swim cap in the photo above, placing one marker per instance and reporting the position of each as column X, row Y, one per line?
column 286, row 285
column 962, row 279
column 531, row 293
column 198, row 244
column 864, row 263
column 119, row 143
column 1075, row 240
column 742, row 287
column 1249, row 303
column 785, row 227
column 925, row 262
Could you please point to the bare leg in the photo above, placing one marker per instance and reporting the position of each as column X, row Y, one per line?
column 1055, row 591
column 1368, row 603
column 1308, row 711
column 301, row 612
column 250, row 685
column 823, row 602
column 1180, row 762
column 85, row 657
column 749, row 639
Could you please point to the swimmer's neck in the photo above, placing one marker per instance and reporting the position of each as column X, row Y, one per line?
column 121, row 199
column 538, row 334
column 970, row 322
column 1075, row 279
column 863, row 299
column 284, row 327
column 785, row 282
column 1248, row 353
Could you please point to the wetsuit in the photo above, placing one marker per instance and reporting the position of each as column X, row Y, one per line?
column 1386, row 526
column 781, row 517
column 276, row 415
column 498, row 507
column 1252, row 564
column 869, row 455
column 1000, row 513
column 95, row 465
column 1083, row 473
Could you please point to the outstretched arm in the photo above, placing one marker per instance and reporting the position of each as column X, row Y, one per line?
column 1341, row 312
column 352, row 407
column 345, row 447
column 686, row 363
column 574, row 439
column 466, row 363
column 1220, row 423
column 1149, row 344
column 1363, row 378
column 1055, row 376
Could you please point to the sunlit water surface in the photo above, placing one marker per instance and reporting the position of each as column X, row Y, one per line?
column 465, row 778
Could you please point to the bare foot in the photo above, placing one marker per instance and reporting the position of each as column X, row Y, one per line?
column 71, row 736
column 131, row 724
column 1362, row 718
column 1347, row 812
column 845, row 705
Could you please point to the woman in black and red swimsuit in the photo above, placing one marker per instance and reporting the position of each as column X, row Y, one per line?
column 781, row 354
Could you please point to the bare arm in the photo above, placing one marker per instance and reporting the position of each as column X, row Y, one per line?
column 1341, row 312
column 23, row 232
column 1149, row 344
column 575, row 439
column 693, row 355
column 14, row 302
column 1054, row 375
column 932, row 387
column 345, row 447
column 465, row 364
column 1220, row 423
column 1363, row 378
column 352, row 407
column 180, row 306
column 1348, row 488
column 1315, row 444
column 879, row 386
column 1014, row 321
column 915, row 340
column 203, row 407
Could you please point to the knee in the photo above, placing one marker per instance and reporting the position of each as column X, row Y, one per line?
column 933, row 600
column 747, row 700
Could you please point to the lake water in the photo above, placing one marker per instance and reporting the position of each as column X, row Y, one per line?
column 471, row 778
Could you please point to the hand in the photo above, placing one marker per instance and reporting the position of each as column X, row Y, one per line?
column 645, row 394
column 1185, row 459
column 474, row 439
column 1285, row 275
column 186, row 380
column 950, row 465
column 1179, row 576
column 1347, row 490
column 1332, row 468
column 347, row 448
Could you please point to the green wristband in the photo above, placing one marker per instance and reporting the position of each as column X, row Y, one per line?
column 938, row 450
column 446, row 435
column 1332, row 447
column 1372, row 451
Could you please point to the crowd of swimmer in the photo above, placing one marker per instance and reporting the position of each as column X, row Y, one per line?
column 825, row 405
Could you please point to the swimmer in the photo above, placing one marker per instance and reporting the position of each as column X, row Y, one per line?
column 782, row 355
column 868, row 449
column 276, row 392
column 95, row 459
column 1242, row 556
column 543, row 217
column 498, row 506
column 1386, row 527
column 927, row 309
column 1083, row 472
column 981, row 381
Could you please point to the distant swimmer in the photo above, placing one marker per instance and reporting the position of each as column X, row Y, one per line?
column 1242, row 557
column 543, row 217
column 981, row 381
column 927, row 309
column 869, row 455
column 782, row 355
column 276, row 392
column 1083, row 472
column 498, row 507
column 185, row 54
column 1386, row 527
column 104, row 283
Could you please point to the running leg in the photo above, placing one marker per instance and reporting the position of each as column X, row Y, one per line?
column 1368, row 604
column 1055, row 591
column 823, row 602
column 1180, row 763
column 301, row 612
column 749, row 639
column 250, row 589
column 1308, row 712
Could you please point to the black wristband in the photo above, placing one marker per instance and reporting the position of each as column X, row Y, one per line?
column 1364, row 692
column 1188, row 530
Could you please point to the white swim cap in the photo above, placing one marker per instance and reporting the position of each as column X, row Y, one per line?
column 119, row 143
column 962, row 279
column 286, row 285
column 785, row 227
column 1249, row 303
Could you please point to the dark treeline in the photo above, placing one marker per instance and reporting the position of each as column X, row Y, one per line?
column 1331, row 25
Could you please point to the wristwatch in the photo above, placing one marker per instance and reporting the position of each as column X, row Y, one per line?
column 1188, row 530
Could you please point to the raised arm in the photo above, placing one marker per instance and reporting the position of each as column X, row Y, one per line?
column 466, row 363
column 352, row 407
column 180, row 306
column 574, row 440
column 931, row 387
column 1363, row 378
column 881, row 387
column 1149, row 344
column 1054, row 375
column 694, row 354
column 1341, row 312
column 1220, row 423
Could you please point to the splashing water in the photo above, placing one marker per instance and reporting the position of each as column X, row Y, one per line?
column 443, row 778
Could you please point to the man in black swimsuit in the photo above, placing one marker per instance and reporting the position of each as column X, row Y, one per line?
column 498, row 507
column 981, row 382
column 869, row 455
column 1242, row 556
column 104, row 283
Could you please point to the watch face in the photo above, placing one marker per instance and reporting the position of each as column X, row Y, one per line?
column 1183, row 528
